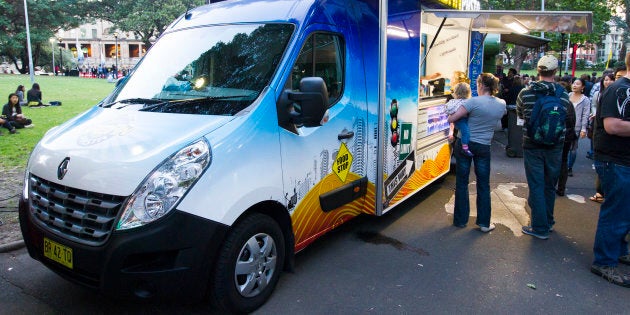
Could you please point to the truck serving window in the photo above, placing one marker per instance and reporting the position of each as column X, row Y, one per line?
column 217, row 70
column 322, row 56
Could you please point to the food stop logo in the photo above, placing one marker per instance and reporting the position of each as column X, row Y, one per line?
column 342, row 163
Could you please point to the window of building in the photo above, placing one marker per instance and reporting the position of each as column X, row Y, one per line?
column 134, row 50
column 110, row 50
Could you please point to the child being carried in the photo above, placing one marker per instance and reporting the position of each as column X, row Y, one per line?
column 461, row 92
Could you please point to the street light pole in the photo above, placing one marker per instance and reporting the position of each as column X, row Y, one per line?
column 116, row 55
column 60, row 56
column 52, row 47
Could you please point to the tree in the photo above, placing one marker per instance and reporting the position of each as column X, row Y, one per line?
column 146, row 19
column 45, row 18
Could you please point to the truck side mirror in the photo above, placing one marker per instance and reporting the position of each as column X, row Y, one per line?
column 308, row 107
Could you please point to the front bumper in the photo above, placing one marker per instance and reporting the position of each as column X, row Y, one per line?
column 172, row 257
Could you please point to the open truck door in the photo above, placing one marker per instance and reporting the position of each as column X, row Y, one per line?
column 448, row 41
column 444, row 30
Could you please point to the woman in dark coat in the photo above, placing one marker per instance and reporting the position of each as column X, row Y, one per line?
column 12, row 111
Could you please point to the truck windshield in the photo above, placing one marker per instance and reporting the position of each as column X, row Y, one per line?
column 216, row 70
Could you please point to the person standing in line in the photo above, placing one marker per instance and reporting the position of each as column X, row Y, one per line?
column 606, row 81
column 508, row 94
column 582, row 107
column 612, row 163
column 542, row 162
column 484, row 112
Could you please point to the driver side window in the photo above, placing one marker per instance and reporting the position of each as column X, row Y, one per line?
column 322, row 56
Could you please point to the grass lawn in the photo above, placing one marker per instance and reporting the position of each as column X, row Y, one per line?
column 76, row 94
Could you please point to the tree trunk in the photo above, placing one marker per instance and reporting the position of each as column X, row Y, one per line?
column 519, row 53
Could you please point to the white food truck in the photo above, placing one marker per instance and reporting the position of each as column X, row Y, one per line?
column 251, row 128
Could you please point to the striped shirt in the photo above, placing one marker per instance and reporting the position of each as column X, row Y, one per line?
column 525, row 103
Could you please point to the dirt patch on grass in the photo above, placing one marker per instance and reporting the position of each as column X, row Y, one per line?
column 10, row 190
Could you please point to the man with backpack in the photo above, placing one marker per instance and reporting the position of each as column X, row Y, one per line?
column 542, row 109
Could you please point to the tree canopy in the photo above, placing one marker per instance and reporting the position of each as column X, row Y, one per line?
column 45, row 18
column 147, row 19
column 602, row 12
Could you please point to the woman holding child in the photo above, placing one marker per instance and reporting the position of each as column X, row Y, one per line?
column 483, row 113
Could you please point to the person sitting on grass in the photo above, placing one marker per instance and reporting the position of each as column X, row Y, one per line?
column 7, row 124
column 12, row 111
column 34, row 96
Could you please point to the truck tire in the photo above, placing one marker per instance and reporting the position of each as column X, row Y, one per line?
column 248, row 266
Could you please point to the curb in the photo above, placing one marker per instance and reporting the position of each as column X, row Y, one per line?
column 4, row 248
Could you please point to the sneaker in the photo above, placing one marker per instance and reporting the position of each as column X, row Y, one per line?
column 589, row 155
column 625, row 259
column 612, row 274
column 13, row 131
column 29, row 126
column 487, row 229
column 461, row 226
column 570, row 172
column 530, row 231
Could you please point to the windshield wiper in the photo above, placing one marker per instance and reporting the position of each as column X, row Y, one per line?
column 139, row 101
column 193, row 101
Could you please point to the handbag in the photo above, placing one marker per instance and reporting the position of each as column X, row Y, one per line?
column 589, row 129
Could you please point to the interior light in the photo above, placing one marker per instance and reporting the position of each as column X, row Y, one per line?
column 200, row 83
column 514, row 24
column 399, row 32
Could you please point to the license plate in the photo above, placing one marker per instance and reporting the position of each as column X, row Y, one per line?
column 57, row 252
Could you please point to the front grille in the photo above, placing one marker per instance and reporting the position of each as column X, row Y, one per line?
column 82, row 216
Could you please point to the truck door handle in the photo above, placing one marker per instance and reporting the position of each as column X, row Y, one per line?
column 345, row 134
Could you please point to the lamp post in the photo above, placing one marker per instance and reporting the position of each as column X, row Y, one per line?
column 52, row 48
column 116, row 54
column 60, row 56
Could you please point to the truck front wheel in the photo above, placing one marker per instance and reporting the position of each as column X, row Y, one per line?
column 249, row 265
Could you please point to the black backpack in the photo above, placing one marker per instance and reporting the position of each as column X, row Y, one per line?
column 546, row 125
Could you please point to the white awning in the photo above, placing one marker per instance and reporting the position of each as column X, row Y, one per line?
column 506, row 22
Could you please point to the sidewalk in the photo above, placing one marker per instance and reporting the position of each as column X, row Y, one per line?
column 10, row 190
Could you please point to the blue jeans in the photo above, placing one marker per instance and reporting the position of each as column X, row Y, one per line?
column 464, row 130
column 481, row 159
column 572, row 154
column 614, row 214
column 542, row 169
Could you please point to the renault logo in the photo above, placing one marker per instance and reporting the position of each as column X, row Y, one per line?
column 63, row 168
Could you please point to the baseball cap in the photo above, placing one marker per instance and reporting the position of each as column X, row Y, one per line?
column 547, row 63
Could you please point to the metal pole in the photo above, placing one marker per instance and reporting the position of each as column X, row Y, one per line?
column 116, row 55
column 28, row 45
column 566, row 64
column 60, row 58
column 382, row 62
column 542, row 8
column 52, row 48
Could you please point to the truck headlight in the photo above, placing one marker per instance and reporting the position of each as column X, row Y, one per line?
column 162, row 190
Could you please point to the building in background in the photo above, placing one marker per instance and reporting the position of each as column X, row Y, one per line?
column 98, row 45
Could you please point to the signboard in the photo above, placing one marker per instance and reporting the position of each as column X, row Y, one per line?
column 342, row 163
column 399, row 177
